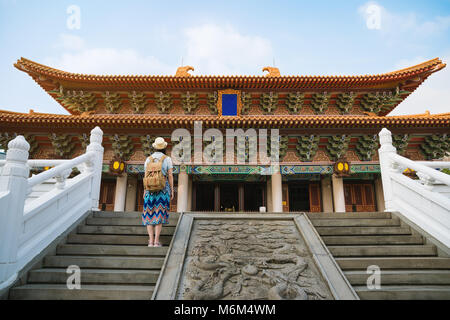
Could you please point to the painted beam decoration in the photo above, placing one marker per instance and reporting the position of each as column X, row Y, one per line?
column 258, row 170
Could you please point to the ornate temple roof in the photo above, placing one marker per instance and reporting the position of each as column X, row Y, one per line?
column 404, row 82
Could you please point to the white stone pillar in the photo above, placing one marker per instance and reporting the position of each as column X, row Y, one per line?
column 277, row 191
column 379, row 194
column 338, row 193
column 183, row 185
column 121, row 192
column 327, row 195
column 130, row 202
column 13, row 190
column 269, row 195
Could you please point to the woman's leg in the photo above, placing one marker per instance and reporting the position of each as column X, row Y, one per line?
column 150, row 230
column 158, row 228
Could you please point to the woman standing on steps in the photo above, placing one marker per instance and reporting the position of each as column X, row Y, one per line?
column 156, row 204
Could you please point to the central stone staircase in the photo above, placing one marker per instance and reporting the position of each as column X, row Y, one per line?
column 111, row 250
column 410, row 266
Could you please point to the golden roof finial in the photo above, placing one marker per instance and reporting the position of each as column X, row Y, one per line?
column 183, row 71
column 273, row 72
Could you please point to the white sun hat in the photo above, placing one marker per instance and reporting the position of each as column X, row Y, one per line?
column 159, row 144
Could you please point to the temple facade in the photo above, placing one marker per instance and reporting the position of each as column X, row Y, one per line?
column 328, row 126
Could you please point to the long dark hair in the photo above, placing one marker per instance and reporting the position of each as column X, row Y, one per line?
column 161, row 150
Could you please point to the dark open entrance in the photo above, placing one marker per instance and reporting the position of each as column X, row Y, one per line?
column 204, row 197
column 229, row 197
column 299, row 197
column 253, row 196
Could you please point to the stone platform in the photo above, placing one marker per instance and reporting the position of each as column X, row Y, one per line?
column 251, row 257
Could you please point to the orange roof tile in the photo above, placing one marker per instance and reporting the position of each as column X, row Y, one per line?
column 242, row 81
column 14, row 119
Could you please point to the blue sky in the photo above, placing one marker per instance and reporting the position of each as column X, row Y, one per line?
column 232, row 37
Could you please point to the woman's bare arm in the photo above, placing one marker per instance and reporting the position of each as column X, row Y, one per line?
column 170, row 174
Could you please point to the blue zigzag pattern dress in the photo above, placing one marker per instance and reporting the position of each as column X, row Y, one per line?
column 157, row 204
column 156, row 208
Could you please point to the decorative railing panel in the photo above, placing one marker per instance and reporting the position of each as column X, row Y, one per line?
column 424, row 201
column 28, row 226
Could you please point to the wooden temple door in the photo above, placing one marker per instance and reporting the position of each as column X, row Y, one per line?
column 314, row 198
column 285, row 197
column 139, row 196
column 173, row 202
column 359, row 197
column 107, row 192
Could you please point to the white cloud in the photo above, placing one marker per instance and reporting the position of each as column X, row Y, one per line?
column 213, row 49
column 397, row 24
column 210, row 49
column 432, row 95
column 70, row 42
column 79, row 58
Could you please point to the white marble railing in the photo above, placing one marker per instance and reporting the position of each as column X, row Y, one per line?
column 28, row 227
column 425, row 201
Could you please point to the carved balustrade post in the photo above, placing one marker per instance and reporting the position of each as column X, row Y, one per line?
column 13, row 187
column 387, row 166
column 95, row 145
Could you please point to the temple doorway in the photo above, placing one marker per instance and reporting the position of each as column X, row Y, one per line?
column 107, row 192
column 204, row 197
column 228, row 196
column 359, row 196
column 301, row 196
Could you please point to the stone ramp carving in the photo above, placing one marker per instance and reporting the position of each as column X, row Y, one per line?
column 251, row 257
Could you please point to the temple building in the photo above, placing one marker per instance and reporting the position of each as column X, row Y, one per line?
column 325, row 124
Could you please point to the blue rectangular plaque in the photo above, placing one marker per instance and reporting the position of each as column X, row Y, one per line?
column 229, row 104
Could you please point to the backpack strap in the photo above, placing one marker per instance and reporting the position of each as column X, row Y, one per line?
column 162, row 158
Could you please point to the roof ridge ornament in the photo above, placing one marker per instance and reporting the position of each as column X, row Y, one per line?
column 183, row 71
column 273, row 71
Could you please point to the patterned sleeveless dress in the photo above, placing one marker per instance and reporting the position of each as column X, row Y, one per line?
column 157, row 204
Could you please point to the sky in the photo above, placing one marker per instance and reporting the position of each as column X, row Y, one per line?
column 223, row 37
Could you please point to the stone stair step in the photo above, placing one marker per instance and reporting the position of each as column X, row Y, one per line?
column 357, row 251
column 126, row 230
column 87, row 292
column 348, row 231
column 96, row 276
column 349, row 215
column 426, row 292
column 114, row 239
column 355, row 222
column 109, row 250
column 126, row 214
column 103, row 262
column 394, row 263
column 130, row 221
column 402, row 277
column 372, row 240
